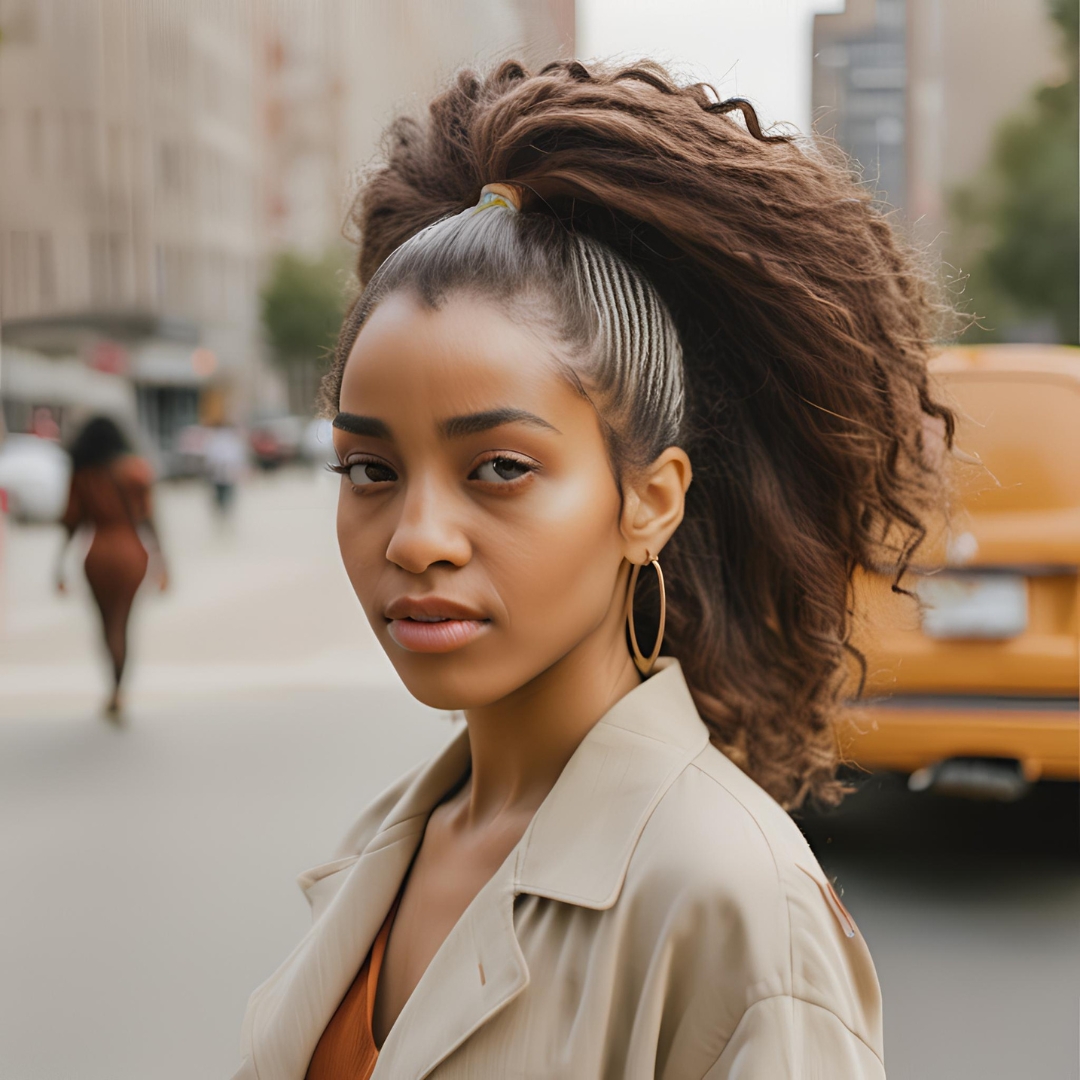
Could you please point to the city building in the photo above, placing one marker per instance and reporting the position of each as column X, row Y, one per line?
column 153, row 157
column 914, row 90
column 129, row 228
column 337, row 71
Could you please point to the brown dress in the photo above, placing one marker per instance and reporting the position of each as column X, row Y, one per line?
column 112, row 499
column 347, row 1050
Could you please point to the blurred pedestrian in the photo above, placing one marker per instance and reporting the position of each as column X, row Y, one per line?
column 226, row 459
column 110, row 494
column 44, row 425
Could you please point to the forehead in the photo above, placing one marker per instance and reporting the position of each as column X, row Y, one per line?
column 462, row 356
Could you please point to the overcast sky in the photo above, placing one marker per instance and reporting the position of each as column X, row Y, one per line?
column 757, row 49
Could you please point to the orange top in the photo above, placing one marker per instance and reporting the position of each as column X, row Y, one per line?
column 346, row 1049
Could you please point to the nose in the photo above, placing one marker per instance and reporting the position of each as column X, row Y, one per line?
column 427, row 532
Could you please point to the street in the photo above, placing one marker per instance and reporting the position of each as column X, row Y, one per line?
column 149, row 871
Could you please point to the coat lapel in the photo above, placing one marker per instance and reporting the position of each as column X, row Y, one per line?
column 291, row 1017
column 476, row 972
column 576, row 849
column 292, row 1013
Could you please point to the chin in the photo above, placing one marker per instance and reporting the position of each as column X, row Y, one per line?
column 449, row 686
column 453, row 682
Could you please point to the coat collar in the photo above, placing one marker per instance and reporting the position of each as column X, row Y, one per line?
column 580, row 841
column 576, row 849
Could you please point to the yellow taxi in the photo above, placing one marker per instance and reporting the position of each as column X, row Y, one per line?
column 973, row 687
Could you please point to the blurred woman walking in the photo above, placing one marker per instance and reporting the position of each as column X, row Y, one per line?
column 110, row 493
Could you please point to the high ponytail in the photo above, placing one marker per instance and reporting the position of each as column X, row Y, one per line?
column 736, row 293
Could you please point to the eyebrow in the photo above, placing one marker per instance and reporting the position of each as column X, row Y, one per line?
column 471, row 424
column 454, row 427
column 361, row 425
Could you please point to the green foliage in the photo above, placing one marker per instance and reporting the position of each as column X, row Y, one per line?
column 1019, row 217
column 303, row 304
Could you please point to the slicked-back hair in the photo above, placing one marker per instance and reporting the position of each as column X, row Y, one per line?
column 735, row 293
column 603, row 310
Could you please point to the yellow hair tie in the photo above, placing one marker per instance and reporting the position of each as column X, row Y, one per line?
column 508, row 195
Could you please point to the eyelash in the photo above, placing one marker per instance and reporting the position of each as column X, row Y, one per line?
column 530, row 467
column 347, row 467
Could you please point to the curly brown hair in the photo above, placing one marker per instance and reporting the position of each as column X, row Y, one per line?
column 804, row 324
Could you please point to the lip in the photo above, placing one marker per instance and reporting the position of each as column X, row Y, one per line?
column 409, row 623
column 431, row 607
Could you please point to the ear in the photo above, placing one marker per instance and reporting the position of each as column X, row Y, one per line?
column 653, row 503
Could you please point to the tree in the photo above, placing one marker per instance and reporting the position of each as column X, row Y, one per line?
column 1018, row 220
column 303, row 302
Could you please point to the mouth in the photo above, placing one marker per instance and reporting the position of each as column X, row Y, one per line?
column 433, row 625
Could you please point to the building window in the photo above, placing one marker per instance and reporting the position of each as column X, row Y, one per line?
column 35, row 142
column 87, row 147
column 46, row 267
column 860, row 76
column 170, row 168
column 176, row 281
column 118, row 268
column 117, row 165
column 17, row 280
column 99, row 270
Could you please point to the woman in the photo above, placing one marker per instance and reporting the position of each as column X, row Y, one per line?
column 602, row 322
column 110, row 493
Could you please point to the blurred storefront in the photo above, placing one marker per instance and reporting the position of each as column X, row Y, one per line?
column 149, row 373
column 65, row 387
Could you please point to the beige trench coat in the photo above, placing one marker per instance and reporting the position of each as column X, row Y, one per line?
column 661, row 917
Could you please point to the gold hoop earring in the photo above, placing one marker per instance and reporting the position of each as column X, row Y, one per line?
column 646, row 665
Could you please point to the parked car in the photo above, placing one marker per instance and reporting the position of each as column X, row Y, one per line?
column 275, row 440
column 983, row 683
column 34, row 473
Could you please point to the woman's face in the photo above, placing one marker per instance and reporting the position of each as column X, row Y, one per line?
column 479, row 519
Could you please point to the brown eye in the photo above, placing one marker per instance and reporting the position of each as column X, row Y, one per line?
column 363, row 473
column 501, row 469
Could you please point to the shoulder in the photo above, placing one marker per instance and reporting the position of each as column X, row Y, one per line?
column 718, row 829
column 730, row 867
column 134, row 469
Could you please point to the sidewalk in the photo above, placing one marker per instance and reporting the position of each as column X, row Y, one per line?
column 259, row 603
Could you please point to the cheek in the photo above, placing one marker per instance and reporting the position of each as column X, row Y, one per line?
column 363, row 549
column 556, row 566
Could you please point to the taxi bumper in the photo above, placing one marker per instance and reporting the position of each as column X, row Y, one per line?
column 910, row 732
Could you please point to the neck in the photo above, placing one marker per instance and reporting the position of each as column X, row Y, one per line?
column 520, row 744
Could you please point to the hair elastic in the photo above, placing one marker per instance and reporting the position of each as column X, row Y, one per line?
column 508, row 195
